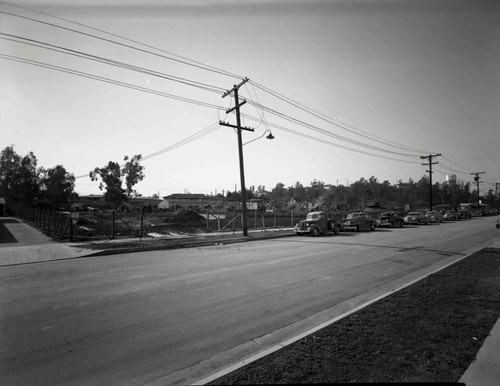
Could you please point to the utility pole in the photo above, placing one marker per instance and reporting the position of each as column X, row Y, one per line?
column 240, row 148
column 477, row 178
column 430, row 157
column 496, row 191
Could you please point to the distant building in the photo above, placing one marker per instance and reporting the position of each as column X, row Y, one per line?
column 191, row 201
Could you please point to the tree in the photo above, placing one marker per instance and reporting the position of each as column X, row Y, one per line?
column 20, row 177
column 58, row 186
column 10, row 164
column 29, row 180
column 278, row 195
column 133, row 173
column 111, row 180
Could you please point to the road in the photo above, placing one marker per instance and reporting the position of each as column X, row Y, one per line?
column 175, row 316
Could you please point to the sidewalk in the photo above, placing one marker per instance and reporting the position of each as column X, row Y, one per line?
column 31, row 246
column 20, row 243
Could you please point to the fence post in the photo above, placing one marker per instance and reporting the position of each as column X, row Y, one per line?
column 234, row 220
column 255, row 219
column 71, row 225
column 263, row 223
column 142, row 224
column 112, row 224
column 275, row 219
column 291, row 224
column 208, row 216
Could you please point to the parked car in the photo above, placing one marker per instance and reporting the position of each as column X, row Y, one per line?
column 464, row 214
column 389, row 219
column 317, row 223
column 451, row 215
column 416, row 218
column 434, row 216
column 358, row 221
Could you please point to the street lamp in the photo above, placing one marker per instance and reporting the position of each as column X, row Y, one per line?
column 269, row 136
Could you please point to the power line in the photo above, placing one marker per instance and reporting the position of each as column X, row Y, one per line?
column 337, row 123
column 330, row 134
column 100, row 59
column 282, row 128
column 108, row 80
column 127, row 39
column 186, row 62
column 207, row 130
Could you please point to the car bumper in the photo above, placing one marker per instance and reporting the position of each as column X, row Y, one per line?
column 349, row 227
column 303, row 231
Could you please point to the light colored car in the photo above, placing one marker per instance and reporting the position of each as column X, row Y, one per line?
column 416, row 218
column 434, row 216
column 451, row 215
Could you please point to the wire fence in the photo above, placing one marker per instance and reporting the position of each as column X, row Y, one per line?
column 110, row 224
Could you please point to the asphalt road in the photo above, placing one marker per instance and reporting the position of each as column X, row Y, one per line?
column 178, row 315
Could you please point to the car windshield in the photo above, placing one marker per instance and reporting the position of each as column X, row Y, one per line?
column 351, row 216
column 312, row 216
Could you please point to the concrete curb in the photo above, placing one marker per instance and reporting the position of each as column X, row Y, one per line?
column 187, row 244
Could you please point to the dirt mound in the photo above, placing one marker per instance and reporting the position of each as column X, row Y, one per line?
column 187, row 216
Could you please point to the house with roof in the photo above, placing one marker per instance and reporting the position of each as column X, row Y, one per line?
column 191, row 201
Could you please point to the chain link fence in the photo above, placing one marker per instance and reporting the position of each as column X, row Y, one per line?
column 110, row 224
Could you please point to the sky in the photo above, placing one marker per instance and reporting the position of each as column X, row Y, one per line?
column 348, row 88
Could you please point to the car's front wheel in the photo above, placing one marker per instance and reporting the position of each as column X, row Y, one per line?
column 315, row 232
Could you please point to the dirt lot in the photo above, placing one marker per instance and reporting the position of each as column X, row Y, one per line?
column 101, row 225
column 428, row 332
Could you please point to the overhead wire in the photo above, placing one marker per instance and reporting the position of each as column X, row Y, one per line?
column 199, row 134
column 100, row 59
column 204, row 67
column 335, row 122
column 126, row 39
column 329, row 133
column 301, row 134
column 108, row 80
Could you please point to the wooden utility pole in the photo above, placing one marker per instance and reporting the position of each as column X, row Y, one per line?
column 240, row 148
column 430, row 157
column 477, row 180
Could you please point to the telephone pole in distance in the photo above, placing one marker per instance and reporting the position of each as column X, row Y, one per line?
column 240, row 148
column 430, row 163
column 477, row 178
